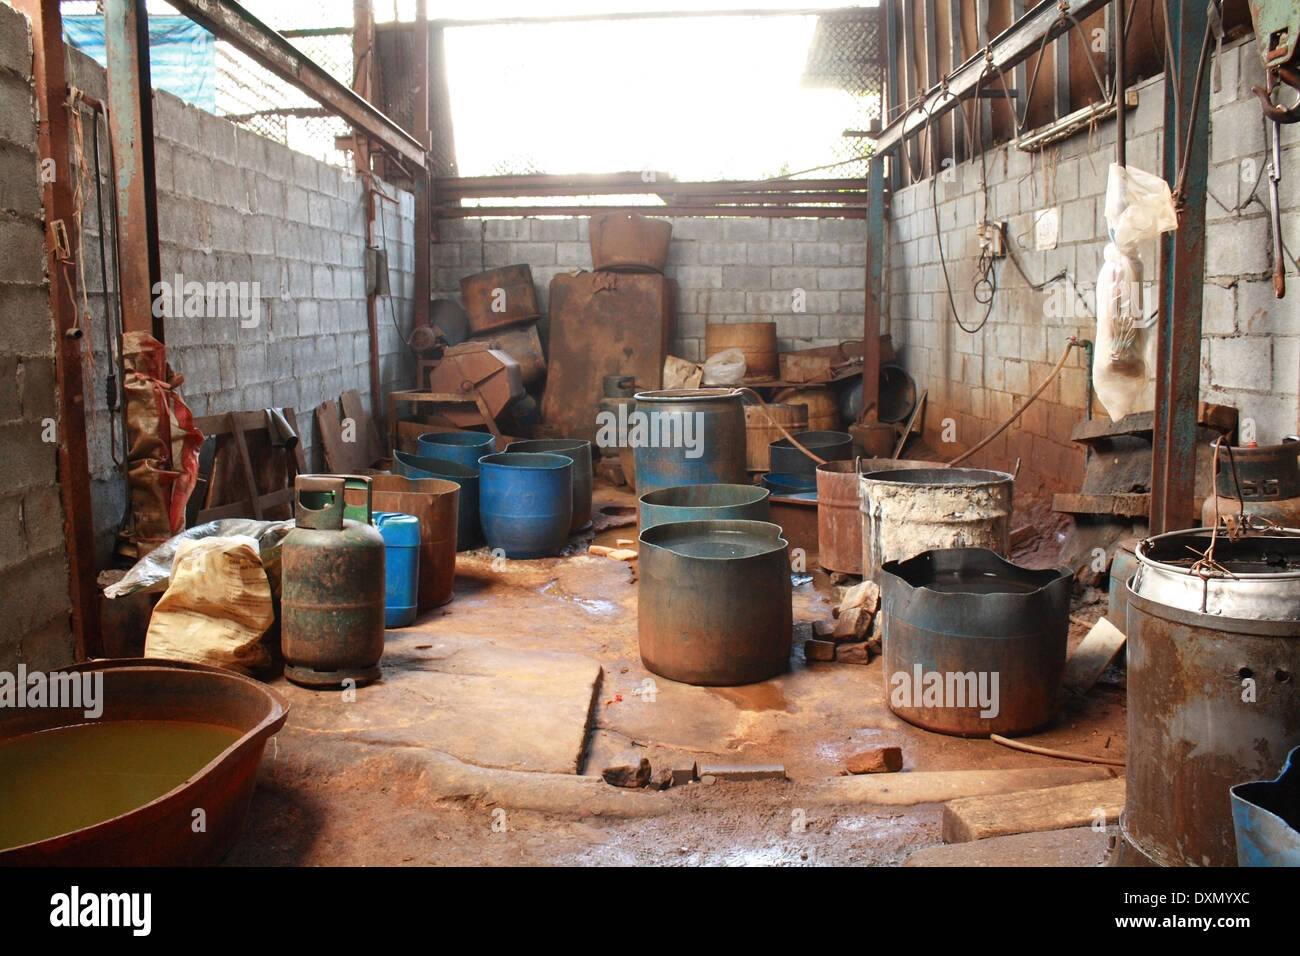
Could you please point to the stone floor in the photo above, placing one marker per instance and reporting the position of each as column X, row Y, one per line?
column 484, row 741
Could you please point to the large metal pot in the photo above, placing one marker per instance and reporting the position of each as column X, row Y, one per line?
column 1262, row 481
column 436, row 503
column 839, row 510
column 713, row 603
column 786, row 459
column 704, row 503
column 1212, row 666
column 526, row 504
column 464, row 448
column 688, row 436
column 910, row 510
column 468, row 532
column 973, row 644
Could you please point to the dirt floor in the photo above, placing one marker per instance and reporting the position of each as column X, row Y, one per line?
column 429, row 775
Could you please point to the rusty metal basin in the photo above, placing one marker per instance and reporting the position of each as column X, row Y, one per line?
column 162, row 832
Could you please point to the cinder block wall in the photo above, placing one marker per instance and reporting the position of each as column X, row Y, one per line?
column 33, row 558
column 1249, row 353
column 236, row 207
column 727, row 270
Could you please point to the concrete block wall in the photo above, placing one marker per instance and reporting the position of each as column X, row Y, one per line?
column 1249, row 350
column 33, row 556
column 727, row 270
column 236, row 207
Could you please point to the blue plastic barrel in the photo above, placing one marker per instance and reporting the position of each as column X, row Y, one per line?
column 468, row 533
column 464, row 448
column 401, row 565
column 526, row 505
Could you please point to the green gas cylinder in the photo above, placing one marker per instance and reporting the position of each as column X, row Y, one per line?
column 332, row 568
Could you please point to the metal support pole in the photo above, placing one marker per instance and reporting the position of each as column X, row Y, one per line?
column 130, row 124
column 60, row 239
column 875, row 286
column 423, row 176
column 1182, row 276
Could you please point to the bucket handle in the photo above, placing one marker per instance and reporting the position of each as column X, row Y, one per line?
column 326, row 518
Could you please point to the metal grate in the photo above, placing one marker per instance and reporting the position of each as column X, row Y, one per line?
column 847, row 53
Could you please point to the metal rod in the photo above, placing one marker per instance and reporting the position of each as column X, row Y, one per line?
column 1010, row 48
column 1120, row 93
column 231, row 22
column 766, row 212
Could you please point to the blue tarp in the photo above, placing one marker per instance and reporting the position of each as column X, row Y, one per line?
column 182, row 55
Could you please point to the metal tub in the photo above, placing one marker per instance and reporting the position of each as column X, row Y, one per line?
column 786, row 459
column 579, row 451
column 714, row 419
column 714, row 602
column 1266, row 817
column 468, row 532
column 464, row 448
column 967, row 612
column 839, row 510
column 1212, row 702
column 910, row 510
column 704, row 503
column 161, row 833
column 436, row 502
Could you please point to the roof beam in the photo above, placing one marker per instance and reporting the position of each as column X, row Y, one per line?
column 229, row 21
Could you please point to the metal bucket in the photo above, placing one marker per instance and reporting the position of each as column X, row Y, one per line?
column 826, row 445
column 714, row 602
column 1266, row 817
column 1212, row 665
column 704, row 503
column 973, row 644
column 527, row 503
column 579, row 450
column 464, row 448
column 839, row 511
column 713, row 419
column 910, row 510
column 468, row 533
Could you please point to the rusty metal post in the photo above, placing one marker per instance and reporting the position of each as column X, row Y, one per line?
column 60, row 228
column 130, row 123
column 423, row 187
column 363, row 59
column 1182, row 276
column 875, row 283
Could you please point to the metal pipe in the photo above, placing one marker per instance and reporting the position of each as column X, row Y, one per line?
column 1120, row 93
column 765, row 212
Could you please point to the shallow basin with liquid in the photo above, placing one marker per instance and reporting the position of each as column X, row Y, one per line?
column 177, row 745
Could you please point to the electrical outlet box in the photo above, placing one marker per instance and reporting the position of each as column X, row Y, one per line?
column 993, row 238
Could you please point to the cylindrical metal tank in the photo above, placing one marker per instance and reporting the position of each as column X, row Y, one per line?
column 829, row 446
column 1262, row 481
column 526, row 504
column 910, row 510
column 688, row 436
column 464, row 448
column 704, row 503
column 760, row 431
column 578, row 449
column 332, row 580
column 839, row 510
column 435, row 501
column 973, row 644
column 713, row 602
column 468, row 532
column 629, row 242
column 1212, row 667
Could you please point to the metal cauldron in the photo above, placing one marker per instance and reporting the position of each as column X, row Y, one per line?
column 993, row 632
column 1212, row 665
column 713, row 602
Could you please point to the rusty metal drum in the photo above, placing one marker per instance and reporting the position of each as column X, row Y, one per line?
column 839, row 510
column 973, row 644
column 332, row 581
column 688, row 436
column 910, row 510
column 714, row 602
column 1212, row 668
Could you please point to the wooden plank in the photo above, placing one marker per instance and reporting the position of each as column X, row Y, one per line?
column 1080, row 846
column 366, row 435
column 1050, row 808
column 1093, row 656
column 937, row 786
column 340, row 456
